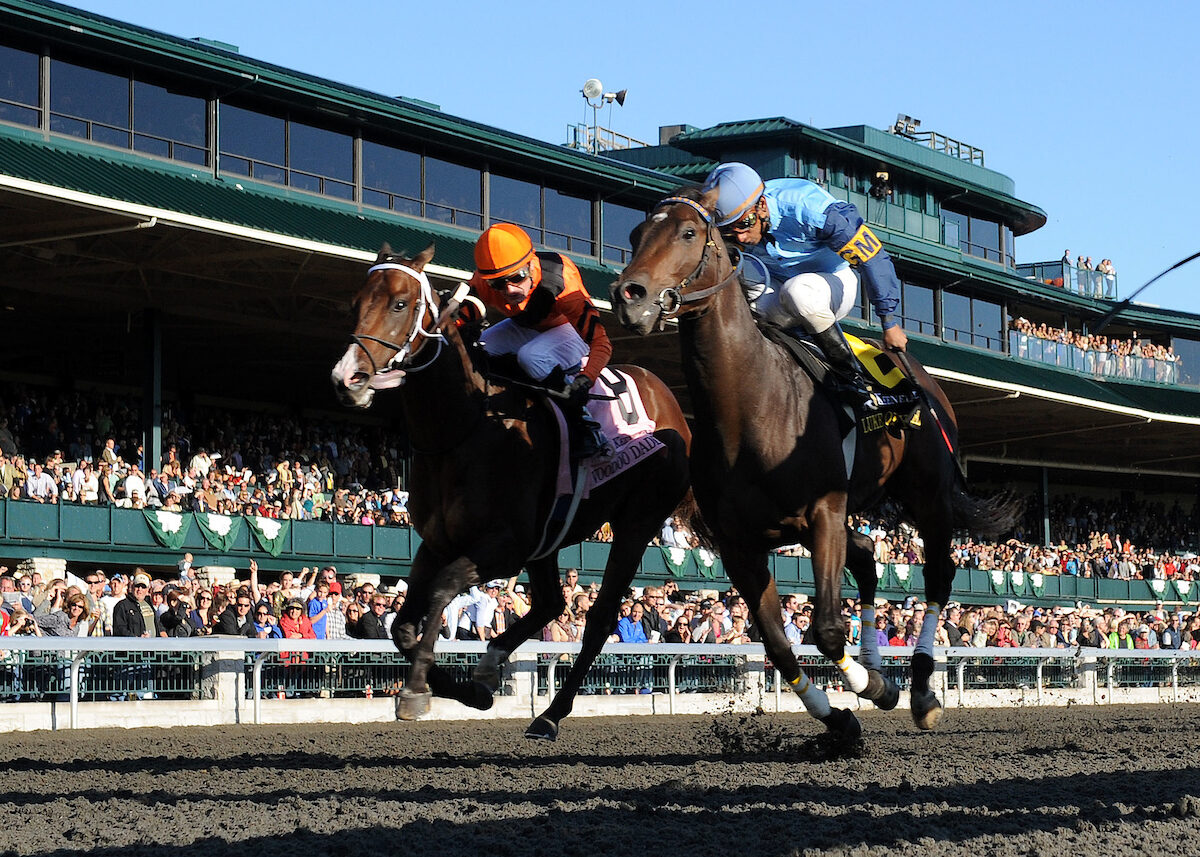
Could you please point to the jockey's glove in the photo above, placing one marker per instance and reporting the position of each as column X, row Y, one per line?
column 578, row 390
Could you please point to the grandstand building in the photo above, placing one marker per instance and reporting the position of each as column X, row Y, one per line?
column 180, row 222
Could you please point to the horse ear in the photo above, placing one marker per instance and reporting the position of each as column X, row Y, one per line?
column 709, row 199
column 384, row 252
column 422, row 258
column 635, row 237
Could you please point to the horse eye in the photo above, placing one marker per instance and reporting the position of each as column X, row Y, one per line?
column 399, row 305
column 689, row 234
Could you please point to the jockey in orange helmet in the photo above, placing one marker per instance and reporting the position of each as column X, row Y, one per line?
column 552, row 326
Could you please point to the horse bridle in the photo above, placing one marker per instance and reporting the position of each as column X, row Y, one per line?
column 404, row 352
column 673, row 298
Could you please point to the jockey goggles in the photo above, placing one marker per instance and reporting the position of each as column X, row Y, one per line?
column 501, row 283
column 742, row 225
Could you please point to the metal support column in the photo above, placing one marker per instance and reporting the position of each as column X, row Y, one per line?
column 152, row 392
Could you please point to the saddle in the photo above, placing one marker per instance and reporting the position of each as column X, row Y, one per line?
column 897, row 397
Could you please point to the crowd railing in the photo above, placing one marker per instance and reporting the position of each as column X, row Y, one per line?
column 58, row 682
column 1081, row 281
column 1099, row 364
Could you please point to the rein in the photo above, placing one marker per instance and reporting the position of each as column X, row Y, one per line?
column 673, row 298
column 404, row 352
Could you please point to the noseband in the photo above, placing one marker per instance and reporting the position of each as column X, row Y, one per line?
column 403, row 352
column 673, row 298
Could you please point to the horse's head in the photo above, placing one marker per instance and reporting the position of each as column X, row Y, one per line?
column 679, row 263
column 395, row 314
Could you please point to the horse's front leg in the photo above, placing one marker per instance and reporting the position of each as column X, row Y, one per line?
column 939, row 576
column 434, row 588
column 544, row 589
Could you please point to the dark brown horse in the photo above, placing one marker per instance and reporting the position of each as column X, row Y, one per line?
column 483, row 483
column 767, row 459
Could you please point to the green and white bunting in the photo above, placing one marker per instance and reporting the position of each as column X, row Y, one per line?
column 1158, row 587
column 903, row 575
column 1017, row 578
column 1184, row 588
column 271, row 533
column 169, row 528
column 220, row 531
column 675, row 558
column 1038, row 583
column 999, row 580
column 706, row 561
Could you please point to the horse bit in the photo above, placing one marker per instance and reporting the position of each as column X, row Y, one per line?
column 672, row 299
column 404, row 352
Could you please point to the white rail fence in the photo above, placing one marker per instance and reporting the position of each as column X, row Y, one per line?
column 79, row 683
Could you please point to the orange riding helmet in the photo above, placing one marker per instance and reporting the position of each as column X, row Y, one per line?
column 501, row 250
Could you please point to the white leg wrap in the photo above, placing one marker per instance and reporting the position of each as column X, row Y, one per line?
column 869, row 656
column 933, row 615
column 816, row 702
column 855, row 673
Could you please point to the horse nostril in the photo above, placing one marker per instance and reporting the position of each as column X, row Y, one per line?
column 633, row 291
column 357, row 380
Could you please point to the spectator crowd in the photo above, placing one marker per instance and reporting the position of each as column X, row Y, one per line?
column 1136, row 357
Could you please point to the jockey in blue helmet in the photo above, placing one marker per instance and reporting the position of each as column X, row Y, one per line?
column 800, row 245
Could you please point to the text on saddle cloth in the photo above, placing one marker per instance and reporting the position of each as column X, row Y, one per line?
column 623, row 419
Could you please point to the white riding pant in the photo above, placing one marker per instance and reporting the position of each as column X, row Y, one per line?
column 539, row 352
column 813, row 301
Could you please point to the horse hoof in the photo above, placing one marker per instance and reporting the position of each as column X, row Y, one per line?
column 882, row 691
column 479, row 696
column 542, row 729
column 926, row 710
column 411, row 705
column 843, row 723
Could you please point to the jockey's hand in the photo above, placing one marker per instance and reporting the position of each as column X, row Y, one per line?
column 577, row 391
column 895, row 339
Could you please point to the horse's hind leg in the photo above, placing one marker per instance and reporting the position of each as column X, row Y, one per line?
column 619, row 571
column 860, row 559
column 934, row 524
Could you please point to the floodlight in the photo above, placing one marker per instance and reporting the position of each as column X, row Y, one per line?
column 592, row 88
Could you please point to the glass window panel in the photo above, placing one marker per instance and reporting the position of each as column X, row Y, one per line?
column 389, row 169
column 956, row 317
column 985, row 235
column 19, row 85
column 955, row 227
column 988, row 324
column 1188, row 351
column 320, row 152
column 569, row 216
column 253, row 135
column 516, row 201
column 86, row 93
column 452, row 192
column 158, row 112
column 916, row 308
column 619, row 221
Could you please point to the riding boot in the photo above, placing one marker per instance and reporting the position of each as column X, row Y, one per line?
column 586, row 437
column 848, row 377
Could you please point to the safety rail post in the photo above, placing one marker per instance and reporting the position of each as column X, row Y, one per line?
column 76, row 663
column 1175, row 679
column 671, row 683
column 256, row 682
column 1041, row 663
column 778, row 690
column 1111, row 670
column 962, row 668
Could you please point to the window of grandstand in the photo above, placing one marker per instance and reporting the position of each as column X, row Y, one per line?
column 972, row 321
column 453, row 193
column 283, row 151
column 916, row 309
column 551, row 217
column 391, row 178
column 19, row 100
column 114, row 110
column 618, row 222
column 1188, row 353
column 978, row 236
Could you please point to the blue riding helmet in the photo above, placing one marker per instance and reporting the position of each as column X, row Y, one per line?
column 738, row 189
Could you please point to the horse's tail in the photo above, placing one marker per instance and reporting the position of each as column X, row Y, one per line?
column 985, row 516
column 688, row 511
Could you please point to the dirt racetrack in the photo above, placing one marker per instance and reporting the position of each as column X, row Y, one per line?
column 1003, row 781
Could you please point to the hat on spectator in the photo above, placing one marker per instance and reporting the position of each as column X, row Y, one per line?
column 334, row 586
column 494, row 584
column 402, row 586
column 1143, row 629
column 293, row 602
column 141, row 580
column 519, row 589
column 706, row 603
column 117, row 576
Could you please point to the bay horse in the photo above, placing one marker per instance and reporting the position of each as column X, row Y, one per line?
column 483, row 482
column 768, row 466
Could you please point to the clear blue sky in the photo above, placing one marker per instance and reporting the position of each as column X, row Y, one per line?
column 1089, row 107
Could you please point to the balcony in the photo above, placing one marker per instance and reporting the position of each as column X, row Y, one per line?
column 1089, row 284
